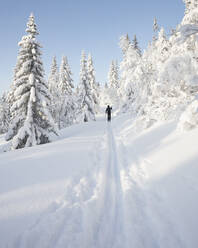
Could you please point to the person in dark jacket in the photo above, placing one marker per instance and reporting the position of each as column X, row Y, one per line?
column 108, row 112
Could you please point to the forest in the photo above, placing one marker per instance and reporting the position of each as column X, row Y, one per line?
column 154, row 85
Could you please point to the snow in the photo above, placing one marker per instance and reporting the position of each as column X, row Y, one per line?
column 102, row 185
column 186, row 31
column 189, row 119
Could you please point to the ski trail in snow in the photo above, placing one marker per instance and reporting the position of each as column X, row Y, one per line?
column 110, row 230
column 103, row 212
column 108, row 223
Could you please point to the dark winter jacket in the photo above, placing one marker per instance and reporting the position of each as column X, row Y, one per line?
column 108, row 112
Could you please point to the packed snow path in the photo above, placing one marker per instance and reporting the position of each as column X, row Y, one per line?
column 110, row 231
column 104, row 200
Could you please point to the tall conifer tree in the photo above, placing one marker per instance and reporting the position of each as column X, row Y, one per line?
column 92, row 82
column 86, row 102
column 32, row 122
column 67, row 105
column 136, row 46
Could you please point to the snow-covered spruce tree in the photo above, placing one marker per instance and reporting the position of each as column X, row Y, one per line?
column 155, row 29
column 129, row 87
column 67, row 105
column 113, row 77
column 117, row 78
column 31, row 121
column 155, row 25
column 131, row 58
column 4, row 114
column 85, row 98
column 136, row 46
column 92, row 82
column 111, row 74
column 124, row 43
column 114, row 84
column 10, row 98
column 53, row 79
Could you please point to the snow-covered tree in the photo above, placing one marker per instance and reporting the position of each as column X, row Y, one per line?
column 4, row 114
column 65, row 77
column 136, row 46
column 92, row 82
column 190, row 5
column 67, row 106
column 162, row 84
column 155, row 29
column 31, row 121
column 113, row 77
column 85, row 98
column 124, row 43
column 175, row 64
column 129, row 64
column 114, row 84
column 53, row 79
column 53, row 82
column 155, row 26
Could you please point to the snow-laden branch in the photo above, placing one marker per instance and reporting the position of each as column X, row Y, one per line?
column 186, row 31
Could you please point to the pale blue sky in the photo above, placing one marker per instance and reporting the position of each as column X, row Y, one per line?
column 68, row 26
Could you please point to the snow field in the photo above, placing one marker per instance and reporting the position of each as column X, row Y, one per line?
column 102, row 185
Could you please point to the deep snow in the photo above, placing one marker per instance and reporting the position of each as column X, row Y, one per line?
column 102, row 185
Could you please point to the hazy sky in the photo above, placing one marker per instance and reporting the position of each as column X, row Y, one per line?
column 68, row 26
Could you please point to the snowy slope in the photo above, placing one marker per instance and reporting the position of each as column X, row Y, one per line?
column 102, row 185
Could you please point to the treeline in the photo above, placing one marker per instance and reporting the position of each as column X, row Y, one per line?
column 162, row 82
column 158, row 84
column 34, row 107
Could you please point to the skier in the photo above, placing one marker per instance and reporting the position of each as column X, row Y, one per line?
column 108, row 112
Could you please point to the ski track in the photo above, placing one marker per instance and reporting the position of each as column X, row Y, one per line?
column 110, row 231
column 109, row 207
